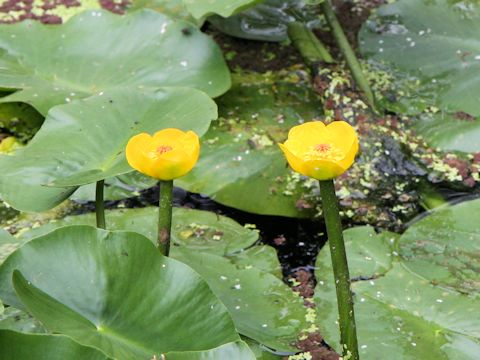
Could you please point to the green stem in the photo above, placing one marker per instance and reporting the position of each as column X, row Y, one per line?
column 348, row 52
column 348, row 332
column 165, row 216
column 430, row 198
column 309, row 46
column 99, row 204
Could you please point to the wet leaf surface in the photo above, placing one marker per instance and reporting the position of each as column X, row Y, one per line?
column 49, row 169
column 214, row 246
column 49, row 64
column 398, row 309
column 85, row 305
column 438, row 44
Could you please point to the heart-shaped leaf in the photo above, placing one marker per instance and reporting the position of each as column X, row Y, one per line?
column 275, row 319
column 397, row 310
column 84, row 141
column 96, row 51
column 16, row 346
column 114, row 291
column 241, row 165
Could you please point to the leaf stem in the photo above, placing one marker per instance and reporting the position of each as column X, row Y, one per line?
column 309, row 46
column 99, row 204
column 165, row 216
column 348, row 52
column 348, row 332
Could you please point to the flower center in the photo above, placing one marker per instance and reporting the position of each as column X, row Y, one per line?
column 162, row 149
column 322, row 147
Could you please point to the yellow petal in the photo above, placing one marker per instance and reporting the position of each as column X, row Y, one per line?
column 323, row 169
column 343, row 135
column 137, row 151
column 308, row 134
column 295, row 162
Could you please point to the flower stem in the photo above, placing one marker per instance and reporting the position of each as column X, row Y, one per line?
column 99, row 204
column 165, row 216
column 348, row 332
column 348, row 52
column 309, row 46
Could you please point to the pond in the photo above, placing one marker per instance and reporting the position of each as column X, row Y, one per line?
column 291, row 137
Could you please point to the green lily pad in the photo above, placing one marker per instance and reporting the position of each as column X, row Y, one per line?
column 438, row 40
column 8, row 244
column 397, row 311
column 267, row 21
column 262, row 257
column 275, row 319
column 104, row 305
column 50, row 66
column 84, row 141
column 241, row 165
column 20, row 321
column 173, row 8
column 262, row 306
column 444, row 247
column 198, row 230
column 17, row 346
column 202, row 8
column 116, row 188
column 437, row 44
column 450, row 132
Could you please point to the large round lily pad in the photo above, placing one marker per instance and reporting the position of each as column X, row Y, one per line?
column 16, row 346
column 52, row 65
column 398, row 311
column 213, row 245
column 114, row 291
column 241, row 164
column 84, row 141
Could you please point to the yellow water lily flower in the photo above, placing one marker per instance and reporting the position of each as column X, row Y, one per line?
column 321, row 151
column 167, row 155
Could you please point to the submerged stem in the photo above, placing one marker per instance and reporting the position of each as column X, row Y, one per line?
column 99, row 204
column 309, row 46
column 165, row 216
column 346, row 315
column 348, row 52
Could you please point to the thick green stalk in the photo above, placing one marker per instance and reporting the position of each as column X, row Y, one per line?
column 99, row 204
column 309, row 46
column 346, row 315
column 348, row 52
column 165, row 216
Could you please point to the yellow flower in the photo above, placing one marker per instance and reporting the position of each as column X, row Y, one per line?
column 167, row 155
column 319, row 151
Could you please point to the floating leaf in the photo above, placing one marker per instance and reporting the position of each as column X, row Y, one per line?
column 262, row 306
column 444, row 247
column 50, row 64
column 17, row 346
column 438, row 44
column 241, row 165
column 173, row 8
column 267, row 21
column 198, row 234
column 397, row 311
column 202, row 8
column 97, row 130
column 198, row 230
column 86, row 304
